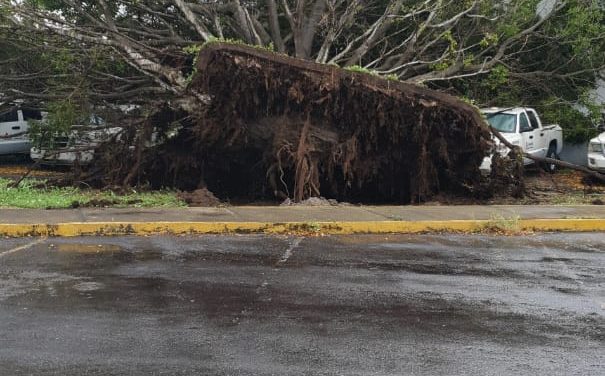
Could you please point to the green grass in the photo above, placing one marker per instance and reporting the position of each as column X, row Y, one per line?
column 34, row 194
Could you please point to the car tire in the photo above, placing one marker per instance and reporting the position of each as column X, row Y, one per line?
column 552, row 154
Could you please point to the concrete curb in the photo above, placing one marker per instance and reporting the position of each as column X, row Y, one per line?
column 303, row 228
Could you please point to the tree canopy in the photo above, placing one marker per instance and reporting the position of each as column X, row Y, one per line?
column 544, row 53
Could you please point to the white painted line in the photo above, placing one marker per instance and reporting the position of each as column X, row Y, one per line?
column 22, row 247
column 289, row 251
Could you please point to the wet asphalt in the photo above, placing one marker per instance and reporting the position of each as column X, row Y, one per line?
column 258, row 305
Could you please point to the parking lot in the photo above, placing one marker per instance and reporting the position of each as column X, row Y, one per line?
column 258, row 305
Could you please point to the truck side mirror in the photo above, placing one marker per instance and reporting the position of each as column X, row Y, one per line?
column 601, row 127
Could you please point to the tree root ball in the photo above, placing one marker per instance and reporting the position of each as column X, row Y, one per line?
column 275, row 127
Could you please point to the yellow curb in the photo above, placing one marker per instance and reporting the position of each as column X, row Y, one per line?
column 304, row 228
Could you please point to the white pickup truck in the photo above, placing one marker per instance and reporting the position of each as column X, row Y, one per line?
column 521, row 126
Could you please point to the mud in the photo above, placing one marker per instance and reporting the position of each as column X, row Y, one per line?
column 199, row 198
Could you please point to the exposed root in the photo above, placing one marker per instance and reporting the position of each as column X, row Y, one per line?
column 278, row 126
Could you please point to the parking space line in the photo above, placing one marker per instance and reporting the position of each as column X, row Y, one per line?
column 22, row 247
column 289, row 251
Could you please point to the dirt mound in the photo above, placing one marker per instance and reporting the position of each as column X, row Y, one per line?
column 200, row 198
column 275, row 127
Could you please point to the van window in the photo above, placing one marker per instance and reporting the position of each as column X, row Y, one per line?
column 10, row 116
column 32, row 115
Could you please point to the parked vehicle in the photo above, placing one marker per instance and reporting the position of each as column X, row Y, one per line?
column 78, row 146
column 596, row 153
column 14, row 125
column 522, row 126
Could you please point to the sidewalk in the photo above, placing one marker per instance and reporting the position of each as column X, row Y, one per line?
column 298, row 219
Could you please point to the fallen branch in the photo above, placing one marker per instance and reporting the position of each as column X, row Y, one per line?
column 14, row 135
column 557, row 162
column 48, row 156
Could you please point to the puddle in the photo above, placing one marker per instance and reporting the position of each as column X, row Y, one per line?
column 112, row 250
column 85, row 248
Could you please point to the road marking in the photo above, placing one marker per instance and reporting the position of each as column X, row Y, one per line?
column 289, row 251
column 22, row 247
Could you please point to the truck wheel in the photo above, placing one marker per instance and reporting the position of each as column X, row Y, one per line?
column 552, row 154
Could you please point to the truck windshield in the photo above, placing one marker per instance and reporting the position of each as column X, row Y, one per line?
column 505, row 123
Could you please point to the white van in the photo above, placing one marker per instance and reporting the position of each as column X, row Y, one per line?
column 13, row 130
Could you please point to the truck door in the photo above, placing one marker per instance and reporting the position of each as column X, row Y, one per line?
column 541, row 140
column 10, row 122
column 528, row 134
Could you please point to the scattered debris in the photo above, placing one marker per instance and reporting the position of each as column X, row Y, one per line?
column 314, row 201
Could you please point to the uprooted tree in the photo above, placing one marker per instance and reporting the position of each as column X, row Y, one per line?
column 275, row 126
column 544, row 53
